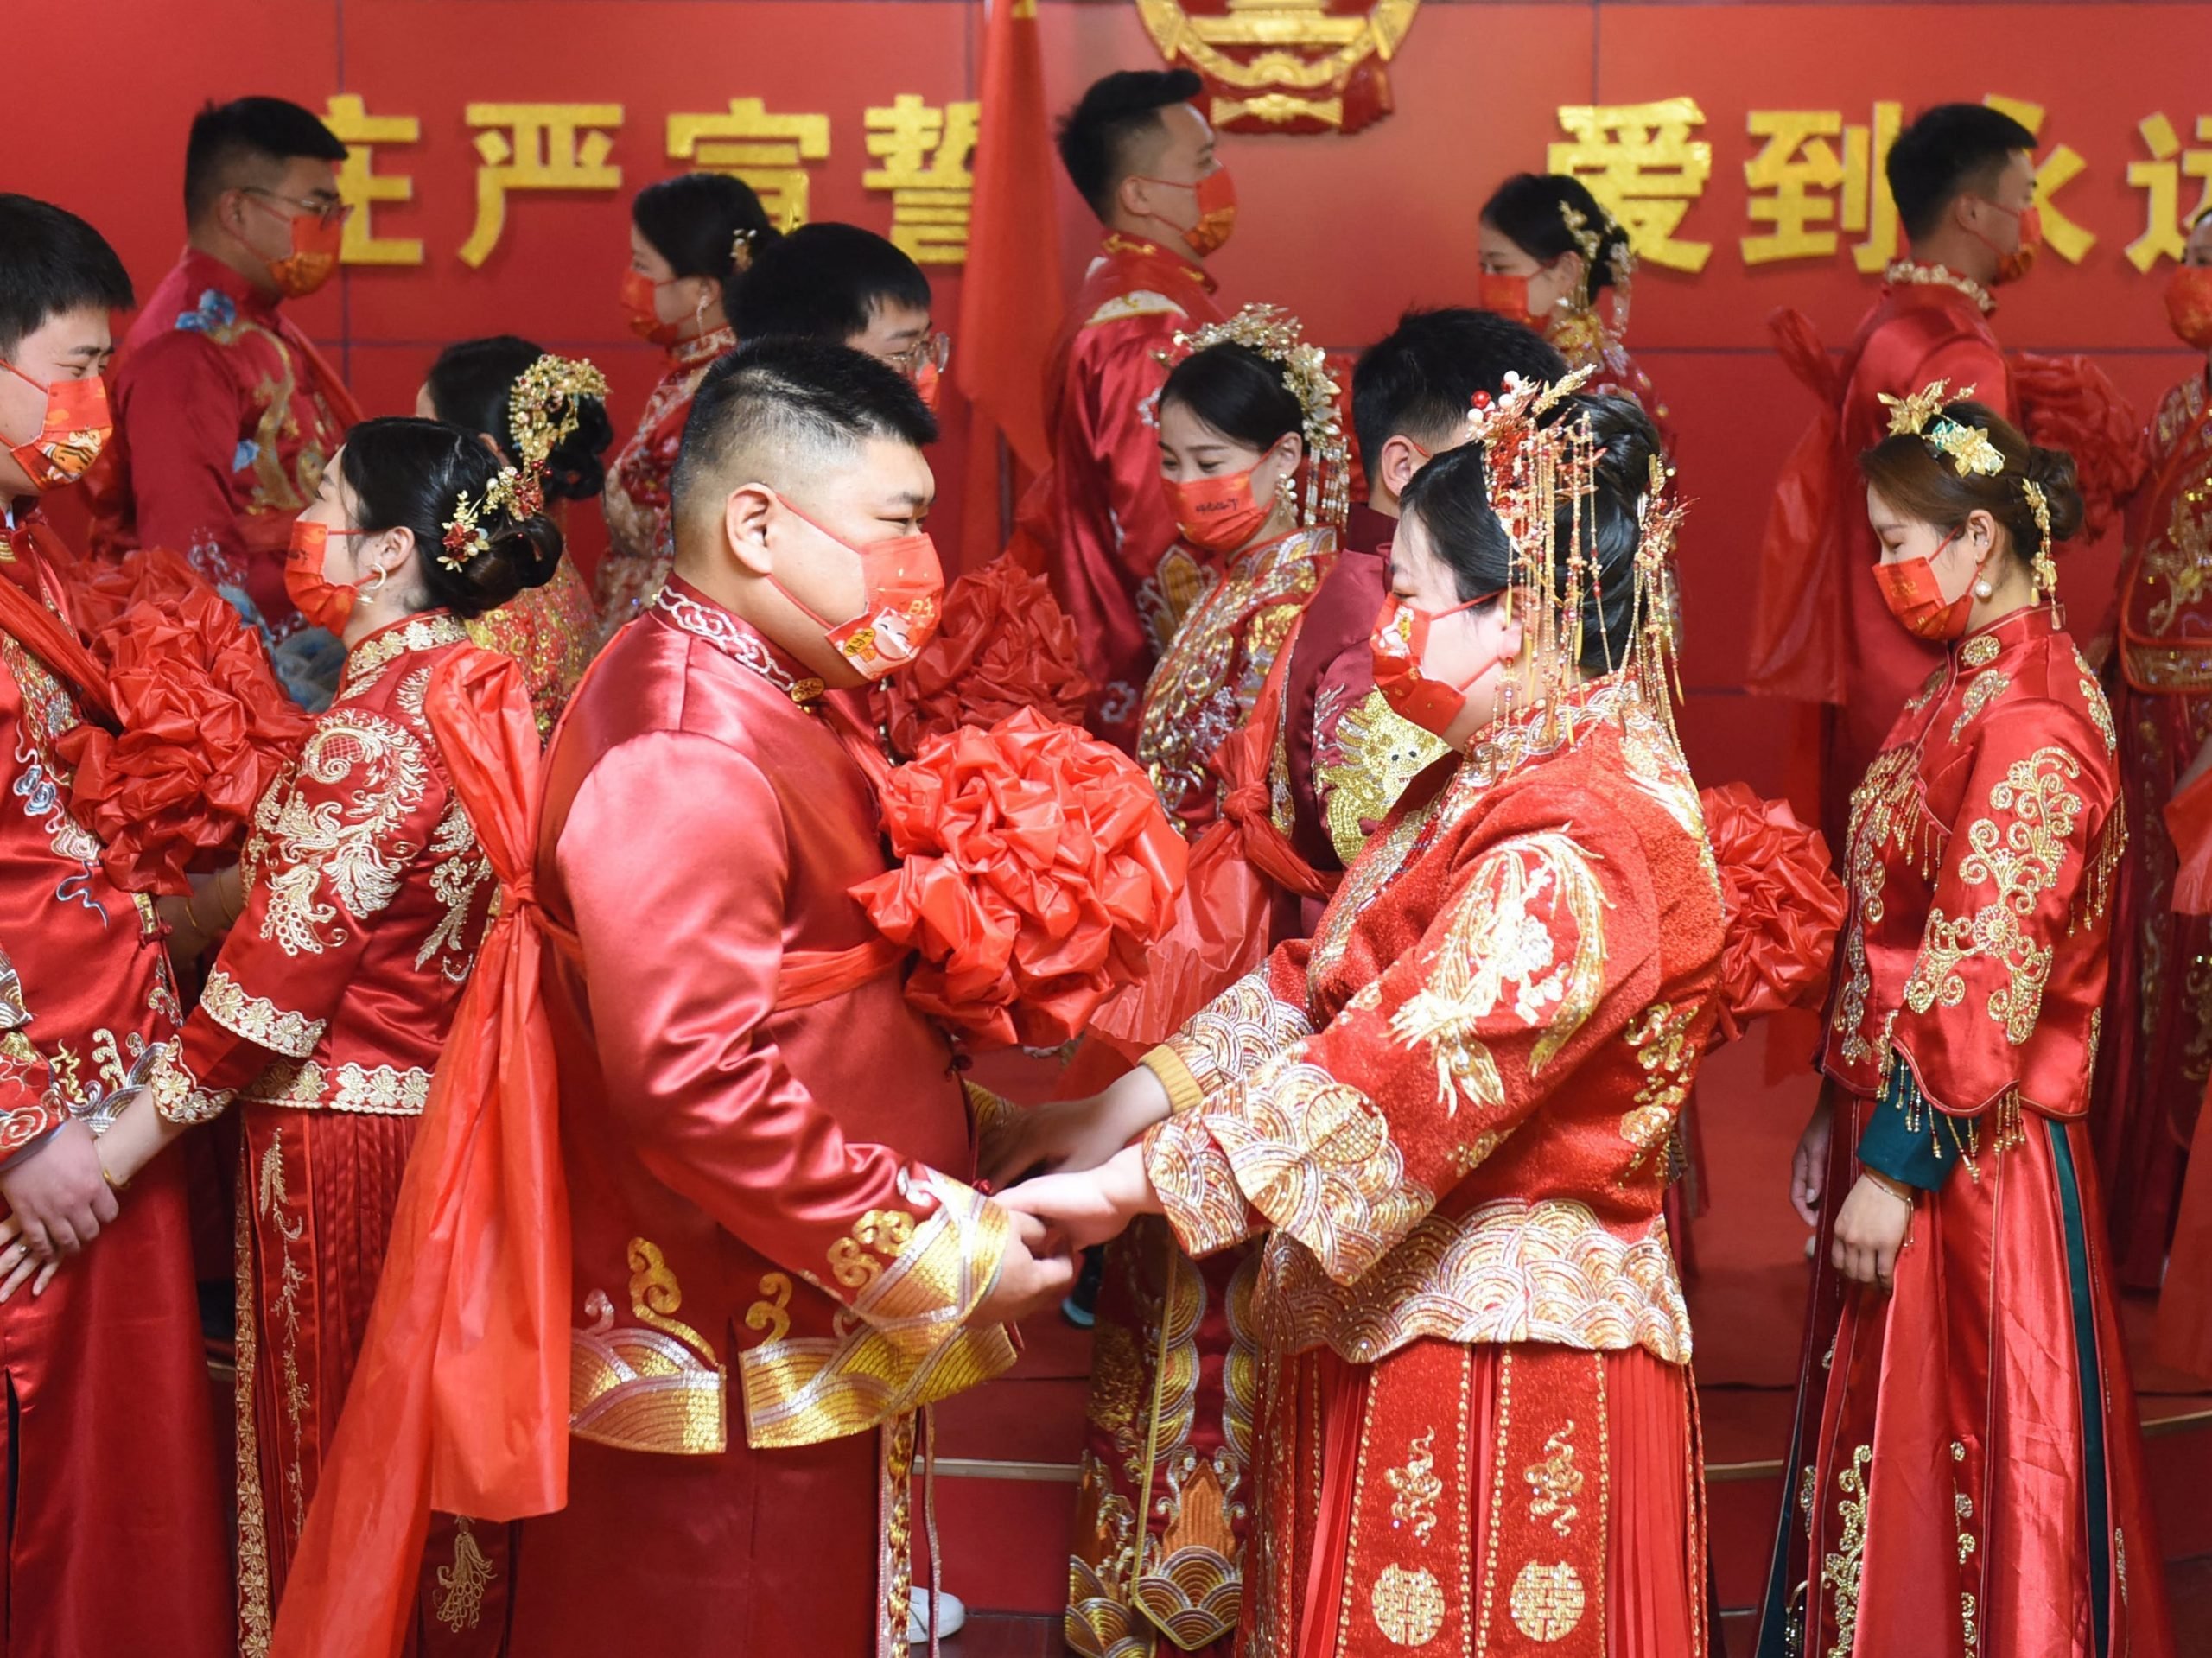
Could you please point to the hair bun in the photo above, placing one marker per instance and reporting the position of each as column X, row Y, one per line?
column 2052, row 470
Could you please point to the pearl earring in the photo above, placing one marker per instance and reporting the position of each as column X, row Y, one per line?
column 1983, row 590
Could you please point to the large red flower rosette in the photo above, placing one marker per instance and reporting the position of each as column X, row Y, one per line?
column 205, row 728
column 1038, row 870
column 2069, row 402
column 1781, row 904
column 1002, row 643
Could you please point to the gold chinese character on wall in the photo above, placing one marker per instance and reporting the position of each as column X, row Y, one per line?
column 2060, row 165
column 769, row 152
column 1640, row 160
column 535, row 147
column 1816, row 177
column 348, row 119
column 925, row 154
column 2165, row 227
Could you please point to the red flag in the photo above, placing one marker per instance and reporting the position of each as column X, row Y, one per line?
column 1010, row 297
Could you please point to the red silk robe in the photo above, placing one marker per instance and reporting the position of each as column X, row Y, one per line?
column 225, row 415
column 552, row 631
column 1821, row 633
column 118, row 1539
column 774, row 1254
column 2159, row 1006
column 1098, row 513
column 639, row 545
column 366, row 896
column 1448, row 1113
column 1966, row 1457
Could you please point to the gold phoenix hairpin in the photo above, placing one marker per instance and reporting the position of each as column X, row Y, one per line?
column 541, row 410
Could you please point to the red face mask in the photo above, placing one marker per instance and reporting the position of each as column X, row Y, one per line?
column 326, row 604
column 1504, row 296
column 1216, row 199
column 1218, row 514
column 637, row 292
column 926, row 383
column 313, row 258
column 902, row 583
column 76, row 429
column 2015, row 262
column 1916, row 597
column 1398, row 643
column 2189, row 304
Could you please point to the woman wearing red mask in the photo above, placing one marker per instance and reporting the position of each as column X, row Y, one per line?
column 691, row 238
column 2160, row 675
column 1445, row 1115
column 355, row 919
column 1239, row 417
column 1966, row 1445
column 1553, row 258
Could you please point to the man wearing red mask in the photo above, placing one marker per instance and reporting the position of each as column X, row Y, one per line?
column 778, row 1259
column 226, row 414
column 117, row 1541
column 836, row 281
column 1142, row 157
column 1963, row 177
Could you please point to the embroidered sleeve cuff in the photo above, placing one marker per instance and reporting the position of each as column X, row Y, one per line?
column 258, row 1019
column 178, row 1095
column 1905, row 1137
column 1196, row 1186
column 1240, row 1030
column 1184, row 1093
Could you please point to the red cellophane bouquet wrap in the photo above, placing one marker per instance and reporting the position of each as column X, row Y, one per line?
column 204, row 726
column 1037, row 869
column 1004, row 644
column 2069, row 403
column 1782, row 903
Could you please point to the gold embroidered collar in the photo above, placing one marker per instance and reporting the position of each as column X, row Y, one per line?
column 687, row 354
column 423, row 632
column 2016, row 627
column 1515, row 740
column 1909, row 270
column 683, row 607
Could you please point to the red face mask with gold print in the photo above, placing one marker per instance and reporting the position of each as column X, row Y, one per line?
column 902, row 586
column 1503, row 295
column 1216, row 199
column 1398, row 643
column 316, row 242
column 1218, row 514
column 1916, row 597
column 637, row 292
column 76, row 429
column 324, row 603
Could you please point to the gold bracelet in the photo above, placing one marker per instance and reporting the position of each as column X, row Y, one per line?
column 1891, row 1186
column 188, row 915
column 118, row 1187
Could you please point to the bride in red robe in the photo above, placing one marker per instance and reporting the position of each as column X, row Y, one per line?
column 1967, row 1465
column 1446, row 1114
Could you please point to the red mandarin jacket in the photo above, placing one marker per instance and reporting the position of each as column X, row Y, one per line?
column 756, row 1125
column 1451, row 1105
column 225, row 415
column 1099, row 513
column 86, row 1007
column 366, row 896
column 639, row 547
column 1986, row 831
column 2165, row 608
column 1584, row 339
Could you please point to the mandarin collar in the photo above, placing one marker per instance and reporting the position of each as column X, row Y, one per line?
column 425, row 630
column 1911, row 273
column 688, row 354
column 687, row 609
column 1120, row 245
column 204, row 270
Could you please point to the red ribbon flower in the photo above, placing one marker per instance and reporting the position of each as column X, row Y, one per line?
column 1002, row 643
column 205, row 729
column 1038, row 869
column 1781, row 902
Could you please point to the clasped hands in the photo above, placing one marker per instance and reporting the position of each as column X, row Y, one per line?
column 1086, row 1175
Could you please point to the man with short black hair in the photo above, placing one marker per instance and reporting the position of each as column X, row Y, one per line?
column 759, row 1130
column 839, row 282
column 226, row 414
column 1142, row 157
column 116, row 1540
column 1964, row 179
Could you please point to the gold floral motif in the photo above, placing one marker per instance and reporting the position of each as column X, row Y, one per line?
column 1417, row 1488
column 373, row 655
column 1981, row 690
column 462, row 871
column 1962, row 1510
column 1507, row 1271
column 1980, row 651
column 1364, row 766
column 2092, row 698
column 884, row 1231
column 1407, row 1606
column 348, row 850
column 272, row 1200
column 1366, row 880
column 1921, row 698
column 1556, row 1482
column 376, row 1090
column 1236, row 1032
column 1547, row 1602
column 771, row 1314
column 1884, row 808
column 1660, row 1039
column 1197, row 1185
column 258, row 1019
column 1839, row 1570
column 2021, row 861
column 1525, row 898
column 1315, row 1156
column 256, row 1619
column 462, row 1585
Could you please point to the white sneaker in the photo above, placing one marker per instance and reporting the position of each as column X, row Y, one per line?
column 951, row 1616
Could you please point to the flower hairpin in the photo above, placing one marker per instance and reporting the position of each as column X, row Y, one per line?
column 541, row 410
column 1922, row 416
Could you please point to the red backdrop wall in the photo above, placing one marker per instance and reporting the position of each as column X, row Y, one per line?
column 1345, row 231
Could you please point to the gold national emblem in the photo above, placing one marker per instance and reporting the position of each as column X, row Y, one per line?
column 1285, row 65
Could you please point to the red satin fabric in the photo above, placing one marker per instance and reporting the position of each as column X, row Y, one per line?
column 1004, row 644
column 461, row 1399
column 226, row 416
column 2069, row 402
column 551, row 630
column 2184, row 1326
column 1036, row 870
column 1782, row 903
column 1098, row 515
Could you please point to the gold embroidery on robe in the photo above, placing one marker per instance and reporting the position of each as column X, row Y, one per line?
column 462, row 1585
column 655, row 1388
column 1840, row 1570
column 351, row 849
column 258, row 1019
column 1362, row 767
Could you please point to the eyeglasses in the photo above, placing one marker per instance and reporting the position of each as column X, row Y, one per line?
column 326, row 209
column 933, row 350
